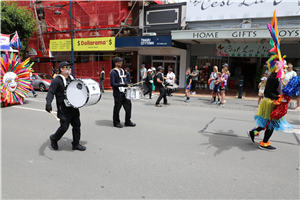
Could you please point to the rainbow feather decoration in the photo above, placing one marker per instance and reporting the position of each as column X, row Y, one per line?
column 276, row 62
column 10, row 63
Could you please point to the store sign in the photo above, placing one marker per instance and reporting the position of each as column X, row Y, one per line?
column 84, row 44
column 4, row 42
column 155, row 41
column 243, row 50
column 204, row 10
column 235, row 34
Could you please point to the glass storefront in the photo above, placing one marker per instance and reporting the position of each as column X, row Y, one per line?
column 164, row 61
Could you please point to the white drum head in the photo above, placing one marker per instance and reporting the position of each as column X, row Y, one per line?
column 77, row 93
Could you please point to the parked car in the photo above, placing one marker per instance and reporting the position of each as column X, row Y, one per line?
column 41, row 81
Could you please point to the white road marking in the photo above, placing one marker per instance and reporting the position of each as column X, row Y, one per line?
column 35, row 100
column 22, row 107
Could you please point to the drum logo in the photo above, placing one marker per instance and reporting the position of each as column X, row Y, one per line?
column 94, row 88
column 79, row 86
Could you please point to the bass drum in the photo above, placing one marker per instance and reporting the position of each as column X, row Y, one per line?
column 82, row 92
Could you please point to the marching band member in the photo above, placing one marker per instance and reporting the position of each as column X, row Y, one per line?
column 160, row 84
column 67, row 115
column 118, row 83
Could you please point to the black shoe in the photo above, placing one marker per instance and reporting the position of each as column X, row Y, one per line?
column 268, row 148
column 167, row 103
column 53, row 143
column 118, row 125
column 251, row 135
column 79, row 147
column 158, row 105
column 130, row 124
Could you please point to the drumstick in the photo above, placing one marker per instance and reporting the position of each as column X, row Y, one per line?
column 136, row 83
column 55, row 116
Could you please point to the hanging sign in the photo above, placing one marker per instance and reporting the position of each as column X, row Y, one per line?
column 84, row 44
column 243, row 50
column 4, row 42
column 204, row 10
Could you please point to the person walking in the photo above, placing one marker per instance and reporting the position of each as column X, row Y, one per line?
column 159, row 79
column 194, row 75
column 153, row 85
column 31, row 82
column 188, row 85
column 149, row 82
column 56, row 72
column 118, row 83
column 67, row 115
column 143, row 71
column 224, row 78
column 102, row 78
column 212, row 78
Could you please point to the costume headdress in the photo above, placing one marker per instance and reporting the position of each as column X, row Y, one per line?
column 15, row 79
column 275, row 62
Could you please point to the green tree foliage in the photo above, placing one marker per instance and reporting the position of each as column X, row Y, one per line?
column 15, row 18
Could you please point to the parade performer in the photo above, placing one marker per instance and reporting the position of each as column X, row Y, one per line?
column 274, row 106
column 67, row 115
column 118, row 83
column 15, row 79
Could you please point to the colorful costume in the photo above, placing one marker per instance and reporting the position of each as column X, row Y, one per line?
column 15, row 79
column 274, row 106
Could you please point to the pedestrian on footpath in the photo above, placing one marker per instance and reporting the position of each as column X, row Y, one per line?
column 217, row 84
column 149, row 82
column 67, row 115
column 224, row 78
column 195, row 75
column 102, row 78
column 143, row 72
column 261, row 89
column 188, row 84
column 127, row 75
column 211, row 80
column 289, row 74
column 159, row 79
column 31, row 82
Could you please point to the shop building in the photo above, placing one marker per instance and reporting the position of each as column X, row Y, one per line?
column 214, row 35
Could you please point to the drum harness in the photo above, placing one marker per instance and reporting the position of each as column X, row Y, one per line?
column 121, row 89
column 65, row 85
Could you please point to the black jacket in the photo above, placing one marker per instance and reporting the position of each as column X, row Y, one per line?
column 57, row 89
column 273, row 87
column 115, row 81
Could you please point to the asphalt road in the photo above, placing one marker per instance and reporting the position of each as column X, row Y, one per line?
column 192, row 150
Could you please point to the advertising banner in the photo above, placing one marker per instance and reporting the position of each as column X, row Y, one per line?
column 243, row 50
column 4, row 42
column 152, row 41
column 204, row 10
column 84, row 44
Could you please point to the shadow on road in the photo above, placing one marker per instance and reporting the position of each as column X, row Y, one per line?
column 104, row 122
column 64, row 144
column 224, row 141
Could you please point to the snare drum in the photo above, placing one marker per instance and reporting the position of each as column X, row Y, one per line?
column 133, row 93
column 82, row 92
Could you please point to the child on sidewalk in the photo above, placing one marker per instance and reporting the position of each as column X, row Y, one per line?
column 188, row 84
column 217, row 90
column 261, row 88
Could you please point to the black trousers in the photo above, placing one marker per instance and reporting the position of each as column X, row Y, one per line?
column 194, row 83
column 149, row 90
column 162, row 94
column 268, row 133
column 119, row 102
column 68, row 116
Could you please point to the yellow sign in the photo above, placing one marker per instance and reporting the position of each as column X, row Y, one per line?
column 84, row 44
column 60, row 45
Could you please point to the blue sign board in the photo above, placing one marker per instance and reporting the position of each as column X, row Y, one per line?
column 151, row 41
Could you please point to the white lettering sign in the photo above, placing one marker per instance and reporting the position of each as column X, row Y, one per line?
column 203, row 10
column 243, row 50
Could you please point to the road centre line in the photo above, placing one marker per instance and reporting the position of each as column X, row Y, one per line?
column 22, row 107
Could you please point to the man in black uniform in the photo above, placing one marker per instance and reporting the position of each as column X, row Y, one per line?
column 67, row 115
column 118, row 83
column 160, row 84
